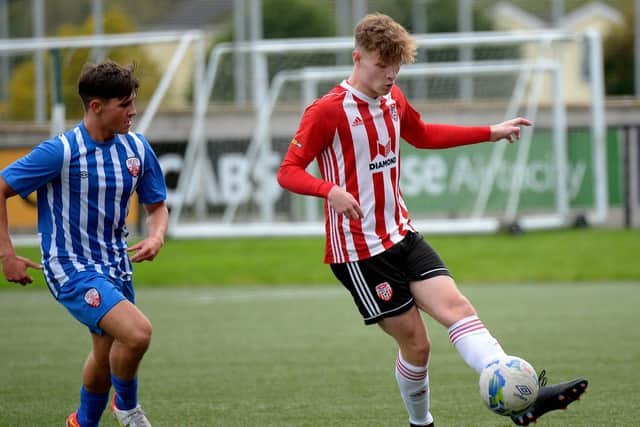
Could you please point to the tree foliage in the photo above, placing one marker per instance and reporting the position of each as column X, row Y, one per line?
column 619, row 58
column 22, row 85
column 141, row 13
column 300, row 18
column 441, row 16
column 282, row 19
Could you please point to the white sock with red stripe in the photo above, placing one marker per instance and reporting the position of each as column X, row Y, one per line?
column 413, row 382
column 474, row 342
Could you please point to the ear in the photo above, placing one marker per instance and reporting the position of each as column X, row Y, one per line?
column 95, row 105
column 356, row 56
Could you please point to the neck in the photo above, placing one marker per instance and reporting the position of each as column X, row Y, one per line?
column 355, row 83
column 95, row 131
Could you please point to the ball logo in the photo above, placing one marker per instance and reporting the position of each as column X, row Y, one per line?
column 133, row 166
column 384, row 291
column 523, row 389
column 92, row 297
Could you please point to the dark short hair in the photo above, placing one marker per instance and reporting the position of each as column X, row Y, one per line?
column 106, row 80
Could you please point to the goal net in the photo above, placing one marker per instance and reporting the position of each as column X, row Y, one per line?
column 253, row 96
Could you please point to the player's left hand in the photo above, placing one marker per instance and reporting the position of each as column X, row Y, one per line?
column 146, row 250
column 14, row 268
column 509, row 130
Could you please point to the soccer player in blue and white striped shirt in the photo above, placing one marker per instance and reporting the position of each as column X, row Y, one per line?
column 85, row 179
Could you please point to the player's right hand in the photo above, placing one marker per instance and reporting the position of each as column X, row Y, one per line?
column 344, row 203
column 14, row 268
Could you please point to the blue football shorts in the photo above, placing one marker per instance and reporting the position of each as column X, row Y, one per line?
column 89, row 295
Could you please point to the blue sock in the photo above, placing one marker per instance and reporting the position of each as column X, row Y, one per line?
column 126, row 392
column 92, row 406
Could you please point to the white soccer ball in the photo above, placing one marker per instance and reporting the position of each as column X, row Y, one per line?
column 508, row 385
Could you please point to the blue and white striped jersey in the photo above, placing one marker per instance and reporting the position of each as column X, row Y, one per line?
column 84, row 189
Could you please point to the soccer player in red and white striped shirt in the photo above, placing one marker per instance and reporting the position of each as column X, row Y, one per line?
column 354, row 132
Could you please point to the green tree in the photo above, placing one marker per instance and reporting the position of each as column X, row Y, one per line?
column 141, row 13
column 441, row 16
column 619, row 58
column 296, row 18
column 282, row 19
column 21, row 86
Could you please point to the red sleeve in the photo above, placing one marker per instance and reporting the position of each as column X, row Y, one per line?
column 314, row 135
column 436, row 136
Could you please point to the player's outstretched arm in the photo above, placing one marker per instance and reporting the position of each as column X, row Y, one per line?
column 157, row 223
column 14, row 267
column 509, row 130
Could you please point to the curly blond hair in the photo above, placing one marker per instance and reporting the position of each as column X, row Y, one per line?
column 379, row 33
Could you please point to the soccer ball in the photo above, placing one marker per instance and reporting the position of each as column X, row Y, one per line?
column 508, row 385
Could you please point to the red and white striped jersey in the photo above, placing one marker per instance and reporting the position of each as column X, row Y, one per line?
column 356, row 142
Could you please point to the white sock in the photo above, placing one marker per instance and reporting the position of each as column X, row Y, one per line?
column 413, row 382
column 474, row 342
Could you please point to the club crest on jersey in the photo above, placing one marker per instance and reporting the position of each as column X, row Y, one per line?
column 384, row 291
column 92, row 297
column 133, row 166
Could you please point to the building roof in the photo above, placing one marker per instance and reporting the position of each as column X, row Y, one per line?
column 507, row 15
column 517, row 16
column 595, row 9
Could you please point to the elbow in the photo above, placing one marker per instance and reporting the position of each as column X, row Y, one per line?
column 282, row 177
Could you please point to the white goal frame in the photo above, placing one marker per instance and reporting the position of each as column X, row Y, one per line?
column 266, row 94
column 194, row 40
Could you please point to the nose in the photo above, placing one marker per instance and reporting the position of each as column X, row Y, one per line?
column 392, row 72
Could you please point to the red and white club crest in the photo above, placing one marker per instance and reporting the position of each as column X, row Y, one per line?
column 133, row 166
column 384, row 291
column 92, row 297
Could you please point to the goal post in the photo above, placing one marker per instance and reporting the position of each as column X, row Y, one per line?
column 179, row 57
column 228, row 187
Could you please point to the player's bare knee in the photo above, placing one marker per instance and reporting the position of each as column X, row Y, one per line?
column 140, row 339
column 423, row 353
column 416, row 351
column 145, row 336
column 419, row 357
